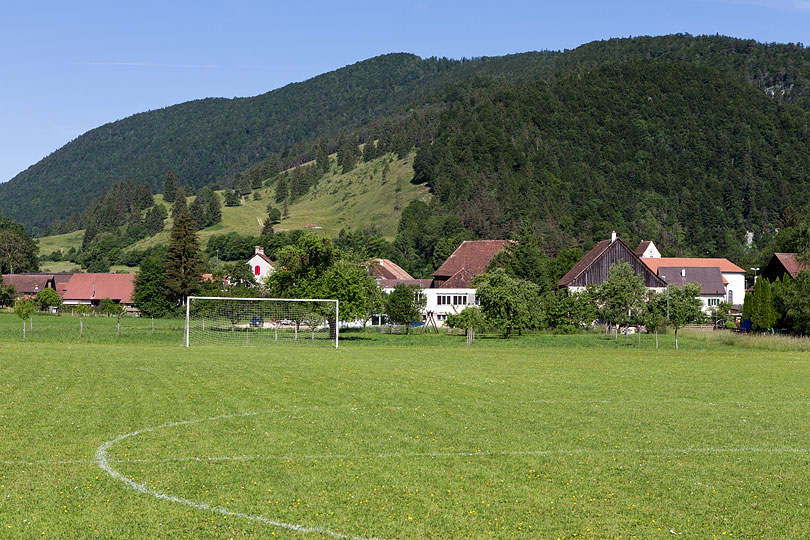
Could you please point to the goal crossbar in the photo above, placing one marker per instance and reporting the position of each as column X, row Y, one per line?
column 252, row 321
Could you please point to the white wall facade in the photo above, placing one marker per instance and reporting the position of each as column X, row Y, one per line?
column 443, row 302
column 260, row 268
column 735, row 290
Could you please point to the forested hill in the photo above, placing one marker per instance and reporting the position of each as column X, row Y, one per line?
column 654, row 149
column 744, row 84
column 208, row 139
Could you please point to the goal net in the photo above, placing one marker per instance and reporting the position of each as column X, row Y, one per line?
column 213, row 320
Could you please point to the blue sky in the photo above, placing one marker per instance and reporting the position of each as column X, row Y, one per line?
column 67, row 67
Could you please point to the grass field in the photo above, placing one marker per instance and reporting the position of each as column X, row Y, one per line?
column 399, row 436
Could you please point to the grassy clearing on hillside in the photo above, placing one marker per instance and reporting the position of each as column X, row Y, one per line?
column 49, row 244
column 351, row 201
column 398, row 437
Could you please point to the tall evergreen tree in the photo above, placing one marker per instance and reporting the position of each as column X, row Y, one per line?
column 322, row 156
column 197, row 211
column 213, row 214
column 243, row 185
column 281, row 188
column 154, row 220
column 763, row 315
column 183, row 258
column 170, row 186
column 369, row 150
column 180, row 203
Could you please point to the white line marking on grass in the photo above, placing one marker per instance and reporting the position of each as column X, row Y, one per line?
column 104, row 463
column 384, row 455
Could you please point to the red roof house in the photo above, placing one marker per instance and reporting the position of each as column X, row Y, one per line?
column 91, row 288
column 781, row 264
column 385, row 269
column 468, row 260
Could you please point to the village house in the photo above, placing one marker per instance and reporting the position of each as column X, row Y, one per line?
column 782, row 264
column 449, row 291
column 90, row 289
column 261, row 265
column 29, row 285
column 676, row 268
column 594, row 267
column 720, row 280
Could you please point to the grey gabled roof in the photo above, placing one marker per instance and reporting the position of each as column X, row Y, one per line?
column 710, row 279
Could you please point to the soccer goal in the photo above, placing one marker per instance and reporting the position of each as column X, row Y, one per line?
column 212, row 320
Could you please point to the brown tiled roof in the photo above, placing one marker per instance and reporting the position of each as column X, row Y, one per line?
column 385, row 269
column 584, row 263
column 28, row 283
column 459, row 280
column 791, row 263
column 710, row 279
column 642, row 247
column 386, row 283
column 97, row 286
column 472, row 256
column 724, row 265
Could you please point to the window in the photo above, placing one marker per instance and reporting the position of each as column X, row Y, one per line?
column 257, row 270
column 459, row 299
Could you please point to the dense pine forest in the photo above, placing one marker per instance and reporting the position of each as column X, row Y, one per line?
column 698, row 143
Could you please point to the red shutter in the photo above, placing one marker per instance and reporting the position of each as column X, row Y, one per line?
column 257, row 270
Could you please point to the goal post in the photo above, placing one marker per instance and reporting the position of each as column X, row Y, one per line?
column 213, row 320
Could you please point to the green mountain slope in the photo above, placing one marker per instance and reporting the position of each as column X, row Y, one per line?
column 655, row 149
column 207, row 139
column 354, row 200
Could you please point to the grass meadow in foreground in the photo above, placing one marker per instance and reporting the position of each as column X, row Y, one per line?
column 398, row 437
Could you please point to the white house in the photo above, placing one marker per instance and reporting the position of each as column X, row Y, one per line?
column 733, row 276
column 261, row 265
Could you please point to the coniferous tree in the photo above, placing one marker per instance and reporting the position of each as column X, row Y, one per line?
column 281, row 188
column 369, row 150
column 197, row 210
column 256, row 179
column 273, row 214
column 179, row 202
column 232, row 198
column 322, row 156
column 243, row 185
column 183, row 258
column 348, row 152
column 154, row 220
column 214, row 212
column 170, row 185
column 272, row 167
column 267, row 228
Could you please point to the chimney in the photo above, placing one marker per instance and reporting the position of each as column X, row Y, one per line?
column 94, row 290
column 612, row 237
column 259, row 250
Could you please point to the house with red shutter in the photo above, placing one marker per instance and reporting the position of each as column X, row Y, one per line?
column 261, row 265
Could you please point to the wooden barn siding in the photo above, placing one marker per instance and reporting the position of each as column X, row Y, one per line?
column 597, row 273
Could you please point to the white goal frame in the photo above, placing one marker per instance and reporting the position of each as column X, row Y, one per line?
column 187, row 329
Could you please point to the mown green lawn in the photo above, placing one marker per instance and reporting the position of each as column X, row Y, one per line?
column 398, row 437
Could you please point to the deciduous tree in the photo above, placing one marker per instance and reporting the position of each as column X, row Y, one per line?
column 404, row 305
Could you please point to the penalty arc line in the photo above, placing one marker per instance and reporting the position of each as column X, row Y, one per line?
column 104, row 463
